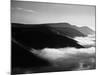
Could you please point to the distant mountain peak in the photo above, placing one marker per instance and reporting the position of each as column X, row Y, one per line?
column 86, row 30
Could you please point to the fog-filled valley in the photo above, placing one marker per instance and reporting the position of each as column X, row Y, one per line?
column 51, row 47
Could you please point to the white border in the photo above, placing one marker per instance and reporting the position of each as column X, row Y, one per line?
column 86, row 2
column 5, row 36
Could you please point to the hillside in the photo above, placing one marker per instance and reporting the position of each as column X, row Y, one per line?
column 41, row 36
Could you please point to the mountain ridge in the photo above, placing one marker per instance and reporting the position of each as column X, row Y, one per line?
column 41, row 35
column 64, row 28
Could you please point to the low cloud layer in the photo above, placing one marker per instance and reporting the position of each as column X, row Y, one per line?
column 64, row 53
column 68, row 55
column 89, row 40
column 68, row 52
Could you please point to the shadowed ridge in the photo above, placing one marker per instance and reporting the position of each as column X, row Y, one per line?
column 63, row 28
column 22, row 59
column 66, row 29
column 41, row 36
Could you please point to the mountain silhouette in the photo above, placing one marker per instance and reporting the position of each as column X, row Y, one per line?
column 26, row 36
column 41, row 36
column 85, row 30
column 65, row 29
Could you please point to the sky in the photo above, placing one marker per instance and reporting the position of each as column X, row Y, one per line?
column 30, row 12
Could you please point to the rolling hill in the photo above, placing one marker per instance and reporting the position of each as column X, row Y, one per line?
column 41, row 36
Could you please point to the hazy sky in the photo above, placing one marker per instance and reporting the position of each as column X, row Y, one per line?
column 36, row 12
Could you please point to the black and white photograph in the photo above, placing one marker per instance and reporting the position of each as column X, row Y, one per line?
column 52, row 37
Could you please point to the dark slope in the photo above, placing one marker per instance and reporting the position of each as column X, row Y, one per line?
column 25, row 62
column 38, row 37
column 41, row 36
column 71, row 30
column 66, row 29
column 85, row 30
column 23, row 59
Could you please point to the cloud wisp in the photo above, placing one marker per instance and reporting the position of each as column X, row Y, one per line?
column 89, row 40
column 25, row 10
